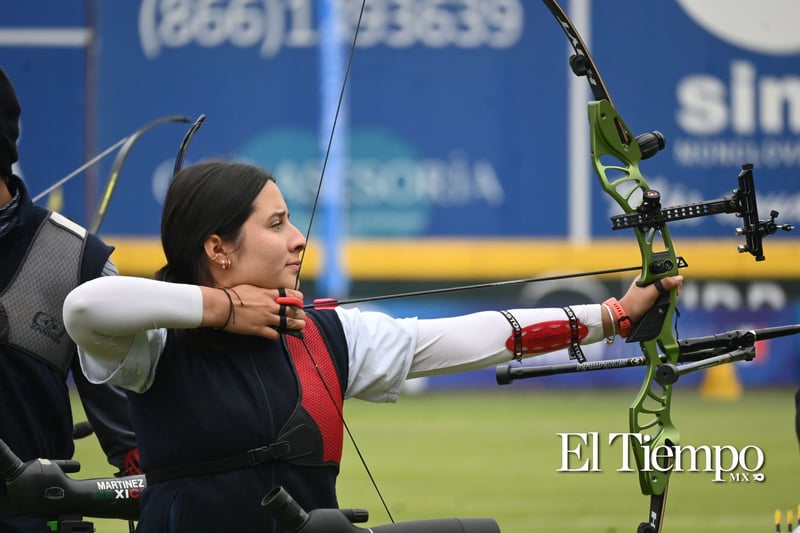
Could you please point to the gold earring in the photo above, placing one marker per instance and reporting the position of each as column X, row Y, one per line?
column 224, row 264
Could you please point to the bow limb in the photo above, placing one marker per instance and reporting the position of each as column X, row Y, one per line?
column 185, row 143
column 616, row 156
column 116, row 167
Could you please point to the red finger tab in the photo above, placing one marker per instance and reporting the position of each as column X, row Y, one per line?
column 289, row 300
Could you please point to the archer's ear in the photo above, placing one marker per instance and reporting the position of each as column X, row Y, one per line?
column 213, row 247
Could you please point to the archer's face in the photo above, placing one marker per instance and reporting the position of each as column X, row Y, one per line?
column 268, row 250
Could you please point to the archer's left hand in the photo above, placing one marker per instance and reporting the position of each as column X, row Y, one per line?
column 638, row 300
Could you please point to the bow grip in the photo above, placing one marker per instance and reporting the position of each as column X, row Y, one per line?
column 651, row 323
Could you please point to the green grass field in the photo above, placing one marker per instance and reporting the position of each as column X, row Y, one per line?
column 496, row 454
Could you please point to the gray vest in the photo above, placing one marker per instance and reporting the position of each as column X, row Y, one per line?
column 31, row 306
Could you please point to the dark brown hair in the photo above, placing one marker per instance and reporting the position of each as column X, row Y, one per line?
column 214, row 197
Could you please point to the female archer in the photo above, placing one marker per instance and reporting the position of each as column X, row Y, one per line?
column 235, row 389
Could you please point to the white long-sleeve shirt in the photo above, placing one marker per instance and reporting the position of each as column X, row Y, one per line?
column 120, row 326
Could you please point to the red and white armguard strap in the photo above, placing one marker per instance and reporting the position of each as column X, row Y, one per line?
column 514, row 342
column 574, row 351
column 621, row 317
column 549, row 336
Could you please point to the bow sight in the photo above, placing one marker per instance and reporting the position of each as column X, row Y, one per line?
column 650, row 214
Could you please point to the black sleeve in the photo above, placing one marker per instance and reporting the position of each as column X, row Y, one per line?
column 95, row 254
column 108, row 412
column 797, row 415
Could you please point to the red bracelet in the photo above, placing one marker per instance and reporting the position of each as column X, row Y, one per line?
column 621, row 316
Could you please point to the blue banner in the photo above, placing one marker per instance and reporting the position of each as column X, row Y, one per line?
column 458, row 112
